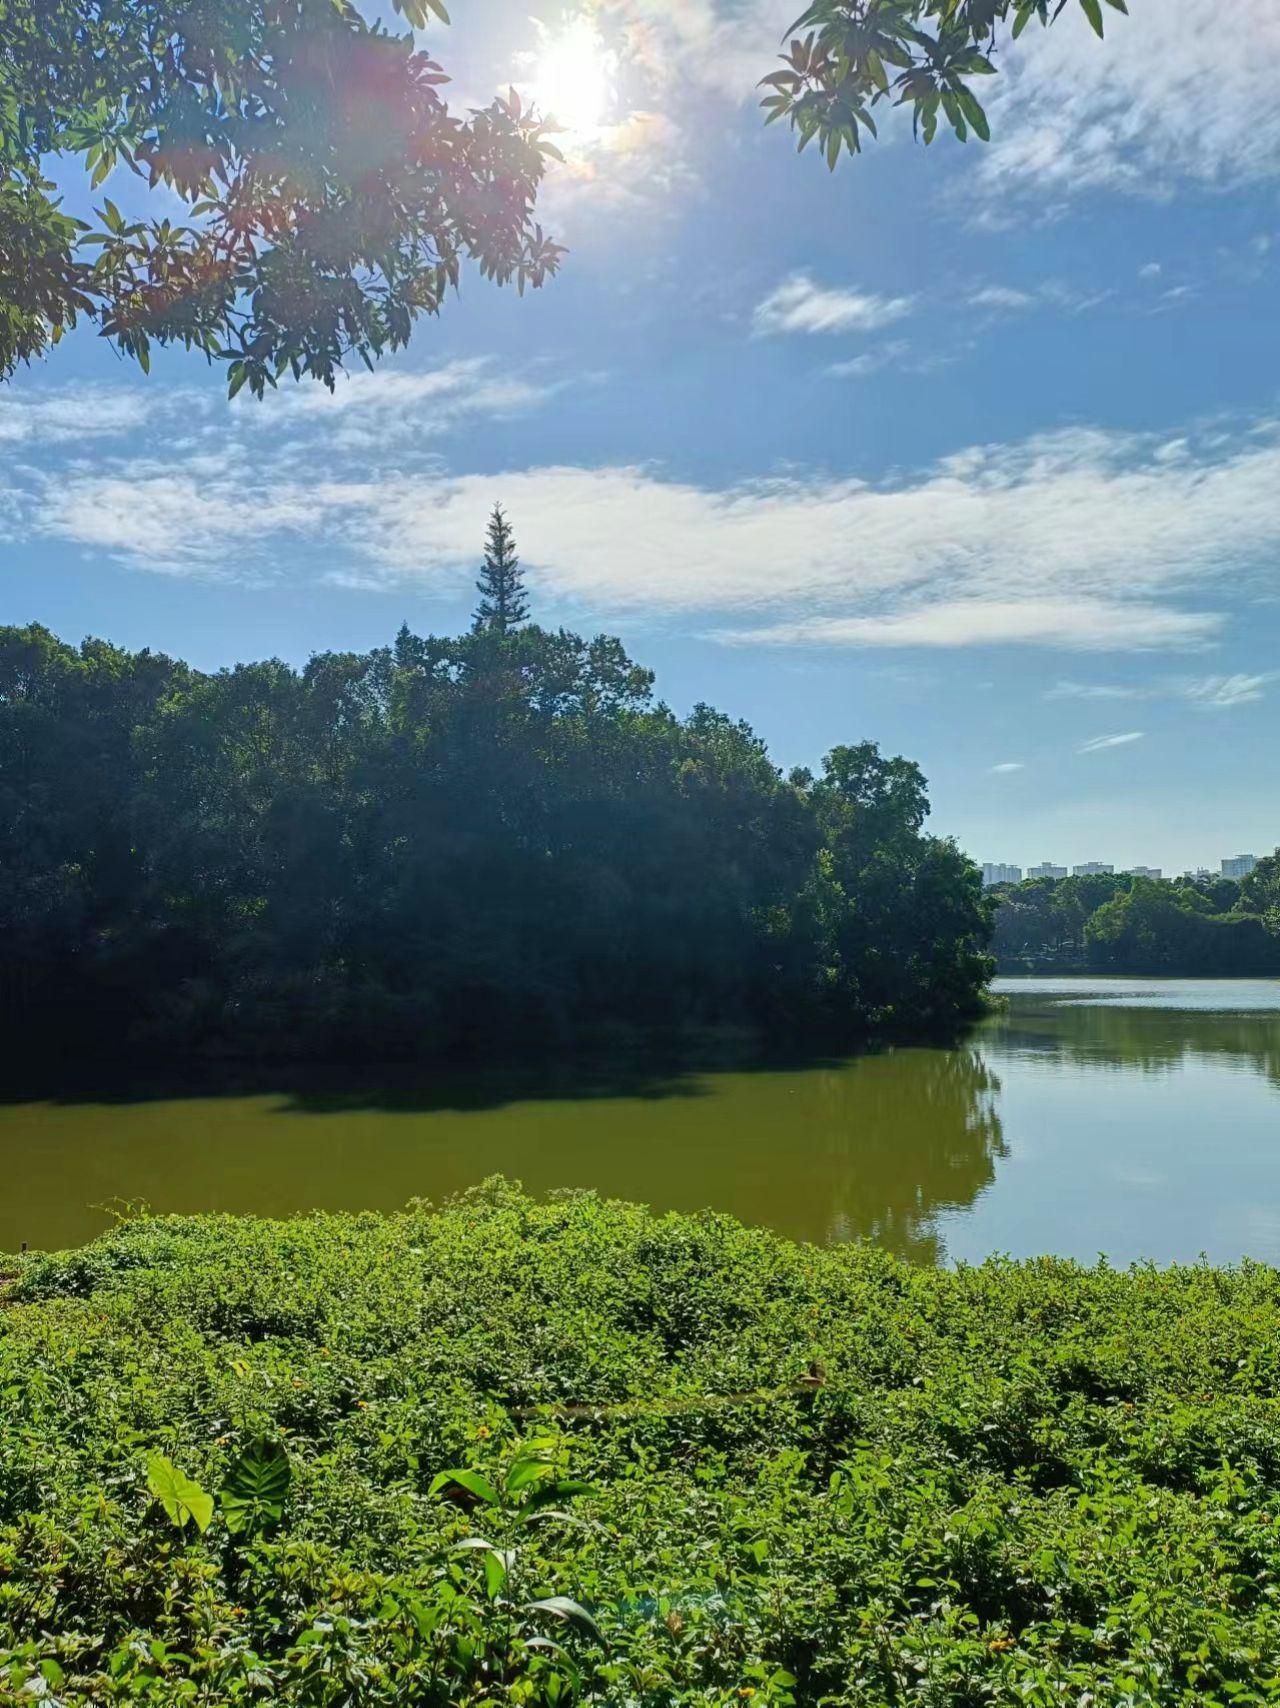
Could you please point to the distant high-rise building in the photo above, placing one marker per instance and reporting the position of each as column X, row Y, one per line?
column 1046, row 870
column 1239, row 865
column 1093, row 869
column 994, row 873
column 1146, row 872
column 1199, row 874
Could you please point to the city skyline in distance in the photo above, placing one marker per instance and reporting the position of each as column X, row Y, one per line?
column 1230, row 866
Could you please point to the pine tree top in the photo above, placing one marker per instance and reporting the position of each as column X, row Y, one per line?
column 504, row 604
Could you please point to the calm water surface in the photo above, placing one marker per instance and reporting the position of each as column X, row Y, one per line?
column 1135, row 1117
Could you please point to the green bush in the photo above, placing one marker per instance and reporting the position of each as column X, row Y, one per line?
column 536, row 1453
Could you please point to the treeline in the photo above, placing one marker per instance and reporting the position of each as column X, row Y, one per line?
column 485, row 844
column 1195, row 927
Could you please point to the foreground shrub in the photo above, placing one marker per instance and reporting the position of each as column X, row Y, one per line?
column 520, row 1452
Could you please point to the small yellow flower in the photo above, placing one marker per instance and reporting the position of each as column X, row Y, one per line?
column 483, row 1433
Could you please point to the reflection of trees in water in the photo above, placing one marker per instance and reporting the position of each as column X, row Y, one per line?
column 1143, row 1040
column 909, row 1133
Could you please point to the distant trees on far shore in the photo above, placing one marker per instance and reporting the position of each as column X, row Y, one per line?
column 1213, row 927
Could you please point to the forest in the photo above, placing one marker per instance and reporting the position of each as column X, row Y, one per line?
column 479, row 845
column 1194, row 927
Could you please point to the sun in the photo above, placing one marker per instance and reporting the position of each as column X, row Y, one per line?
column 572, row 81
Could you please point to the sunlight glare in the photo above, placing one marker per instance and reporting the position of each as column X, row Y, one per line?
column 572, row 82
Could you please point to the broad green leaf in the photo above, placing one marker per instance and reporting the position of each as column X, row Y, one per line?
column 525, row 1471
column 254, row 1493
column 571, row 1612
column 177, row 1494
column 472, row 1481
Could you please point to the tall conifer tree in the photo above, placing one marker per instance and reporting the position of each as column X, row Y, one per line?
column 503, row 601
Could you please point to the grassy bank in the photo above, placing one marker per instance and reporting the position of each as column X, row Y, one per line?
column 697, row 1464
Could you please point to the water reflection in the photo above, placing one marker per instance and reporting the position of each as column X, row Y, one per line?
column 1138, row 1038
column 1140, row 1121
column 871, row 1148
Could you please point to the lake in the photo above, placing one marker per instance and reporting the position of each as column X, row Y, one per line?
column 1132, row 1117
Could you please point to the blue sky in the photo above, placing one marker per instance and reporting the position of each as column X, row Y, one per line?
column 971, row 451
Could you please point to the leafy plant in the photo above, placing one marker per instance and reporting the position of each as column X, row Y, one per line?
column 331, row 196
column 182, row 1499
column 848, row 57
column 253, row 1496
column 525, row 1495
column 1018, row 1485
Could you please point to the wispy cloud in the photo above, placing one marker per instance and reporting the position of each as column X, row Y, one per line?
column 1050, row 293
column 1072, row 114
column 1207, row 692
column 1086, row 540
column 370, row 409
column 1007, row 767
column 1100, row 743
column 1067, row 690
column 889, row 355
column 1220, row 692
column 801, row 305
column 67, row 414
column 1082, row 625
column 1001, row 298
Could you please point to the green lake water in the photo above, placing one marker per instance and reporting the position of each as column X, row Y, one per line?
column 1134, row 1117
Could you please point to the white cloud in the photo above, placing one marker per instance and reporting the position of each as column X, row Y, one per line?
column 1174, row 93
column 801, row 305
column 1217, row 692
column 1151, row 270
column 1207, row 692
column 871, row 361
column 66, row 414
column 1001, row 297
column 1098, row 691
column 1101, row 743
column 368, row 409
column 1080, row 625
column 1083, row 540
column 1007, row 767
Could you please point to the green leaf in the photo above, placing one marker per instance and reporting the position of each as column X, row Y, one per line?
column 254, row 1493
column 1093, row 11
column 472, row 1481
column 975, row 115
column 525, row 1471
column 571, row 1612
column 497, row 1561
column 177, row 1494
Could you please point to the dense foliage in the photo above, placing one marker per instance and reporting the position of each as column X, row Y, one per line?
column 333, row 197
column 1194, row 927
column 523, row 1453
column 485, row 844
column 847, row 57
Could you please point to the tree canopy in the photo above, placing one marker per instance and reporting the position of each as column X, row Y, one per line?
column 333, row 197
column 847, row 58
column 484, row 844
column 504, row 605
column 1194, row 927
